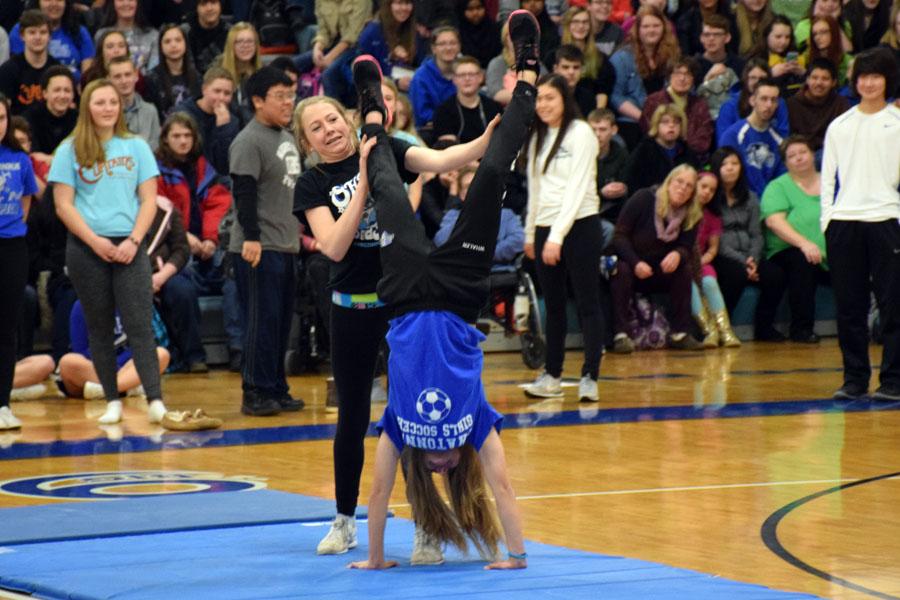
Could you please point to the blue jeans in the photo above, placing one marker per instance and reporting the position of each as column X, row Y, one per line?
column 211, row 279
column 181, row 313
column 337, row 79
column 62, row 297
column 266, row 295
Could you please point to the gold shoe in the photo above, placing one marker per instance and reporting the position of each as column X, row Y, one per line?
column 726, row 334
column 707, row 327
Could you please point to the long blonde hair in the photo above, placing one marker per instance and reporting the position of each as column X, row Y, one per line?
column 890, row 36
column 593, row 60
column 473, row 515
column 508, row 55
column 694, row 210
column 85, row 141
column 229, row 60
column 301, row 107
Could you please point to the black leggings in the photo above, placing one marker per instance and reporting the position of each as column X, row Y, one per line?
column 13, row 274
column 580, row 263
column 356, row 335
column 455, row 276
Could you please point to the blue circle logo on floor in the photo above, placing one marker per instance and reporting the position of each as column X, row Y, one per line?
column 109, row 485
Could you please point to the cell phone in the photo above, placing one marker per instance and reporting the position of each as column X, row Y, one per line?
column 792, row 56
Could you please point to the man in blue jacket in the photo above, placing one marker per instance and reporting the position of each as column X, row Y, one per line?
column 433, row 84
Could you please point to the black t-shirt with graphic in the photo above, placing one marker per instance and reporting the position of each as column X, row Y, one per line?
column 332, row 185
column 21, row 83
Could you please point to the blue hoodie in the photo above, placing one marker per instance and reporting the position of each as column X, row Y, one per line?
column 428, row 90
column 436, row 400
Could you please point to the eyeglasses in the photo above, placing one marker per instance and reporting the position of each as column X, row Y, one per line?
column 282, row 96
column 580, row 22
column 244, row 42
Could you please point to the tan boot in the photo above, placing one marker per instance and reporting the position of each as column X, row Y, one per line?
column 726, row 334
column 707, row 327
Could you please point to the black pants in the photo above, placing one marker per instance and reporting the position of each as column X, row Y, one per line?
column 356, row 335
column 732, row 276
column 801, row 278
column 455, row 276
column 13, row 274
column 677, row 283
column 266, row 297
column 865, row 257
column 579, row 264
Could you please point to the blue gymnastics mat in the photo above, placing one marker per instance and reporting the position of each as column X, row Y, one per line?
column 158, row 514
column 278, row 561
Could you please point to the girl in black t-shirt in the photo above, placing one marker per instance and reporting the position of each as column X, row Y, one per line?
column 334, row 200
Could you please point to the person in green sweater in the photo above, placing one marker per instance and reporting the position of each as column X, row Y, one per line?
column 794, row 241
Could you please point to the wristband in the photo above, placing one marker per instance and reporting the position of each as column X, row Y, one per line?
column 522, row 556
column 135, row 241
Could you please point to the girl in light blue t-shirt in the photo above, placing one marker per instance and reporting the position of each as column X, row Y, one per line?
column 104, row 185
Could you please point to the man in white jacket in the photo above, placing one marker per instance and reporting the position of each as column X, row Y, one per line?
column 861, row 221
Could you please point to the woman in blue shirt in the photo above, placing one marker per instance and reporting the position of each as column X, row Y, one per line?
column 105, row 195
column 17, row 186
column 437, row 418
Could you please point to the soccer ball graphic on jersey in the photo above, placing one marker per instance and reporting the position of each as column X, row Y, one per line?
column 433, row 405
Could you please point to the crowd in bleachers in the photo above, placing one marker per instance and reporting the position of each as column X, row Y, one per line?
column 684, row 138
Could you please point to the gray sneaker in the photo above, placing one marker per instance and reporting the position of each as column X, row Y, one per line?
column 622, row 344
column 426, row 549
column 587, row 390
column 340, row 538
column 545, row 386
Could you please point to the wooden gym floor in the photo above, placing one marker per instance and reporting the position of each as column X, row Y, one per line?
column 735, row 463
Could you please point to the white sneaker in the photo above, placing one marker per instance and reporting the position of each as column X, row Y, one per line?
column 8, row 420
column 93, row 391
column 136, row 391
column 426, row 549
column 587, row 390
column 31, row 392
column 379, row 393
column 545, row 386
column 340, row 538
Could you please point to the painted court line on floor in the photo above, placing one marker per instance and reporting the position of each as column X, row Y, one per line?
column 663, row 490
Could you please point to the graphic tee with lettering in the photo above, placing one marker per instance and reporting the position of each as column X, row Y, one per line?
column 269, row 155
column 436, row 400
column 106, row 194
column 16, row 180
column 332, row 185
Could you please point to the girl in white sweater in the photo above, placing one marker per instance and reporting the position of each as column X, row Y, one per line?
column 562, row 232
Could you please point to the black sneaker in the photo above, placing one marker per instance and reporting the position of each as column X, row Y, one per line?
column 256, row 405
column 887, row 393
column 806, row 337
column 367, row 79
column 234, row 360
column 290, row 404
column 850, row 391
column 687, row 342
column 768, row 334
column 525, row 35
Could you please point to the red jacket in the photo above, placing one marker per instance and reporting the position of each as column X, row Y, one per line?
column 214, row 197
